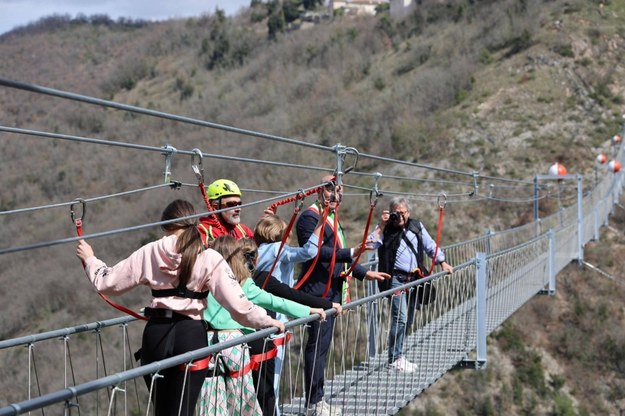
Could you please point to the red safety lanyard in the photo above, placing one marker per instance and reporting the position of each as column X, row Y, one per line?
column 324, row 217
column 299, row 200
column 441, row 208
column 348, row 274
column 257, row 359
column 197, row 365
column 337, row 238
column 199, row 174
column 78, row 222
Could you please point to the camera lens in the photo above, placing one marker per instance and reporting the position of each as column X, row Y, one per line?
column 393, row 217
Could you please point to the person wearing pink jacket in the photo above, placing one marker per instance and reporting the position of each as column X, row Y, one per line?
column 181, row 274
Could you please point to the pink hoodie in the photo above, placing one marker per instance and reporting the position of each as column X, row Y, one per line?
column 155, row 265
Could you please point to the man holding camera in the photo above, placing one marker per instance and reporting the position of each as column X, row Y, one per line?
column 401, row 242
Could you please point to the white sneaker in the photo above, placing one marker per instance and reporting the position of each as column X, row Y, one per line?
column 402, row 365
column 323, row 409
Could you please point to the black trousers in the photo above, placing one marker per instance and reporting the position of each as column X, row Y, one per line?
column 315, row 354
column 264, row 376
column 167, row 337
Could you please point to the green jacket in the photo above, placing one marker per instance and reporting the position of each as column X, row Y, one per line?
column 220, row 318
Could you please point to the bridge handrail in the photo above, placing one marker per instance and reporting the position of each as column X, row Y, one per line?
column 59, row 333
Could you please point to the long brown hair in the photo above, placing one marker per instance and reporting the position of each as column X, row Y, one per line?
column 189, row 243
column 240, row 254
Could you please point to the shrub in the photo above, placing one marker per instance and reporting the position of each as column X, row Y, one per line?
column 509, row 339
column 379, row 83
column 530, row 371
column 564, row 50
column 562, row 406
column 131, row 71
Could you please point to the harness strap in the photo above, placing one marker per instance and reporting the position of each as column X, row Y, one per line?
column 242, row 231
column 180, row 291
column 208, row 235
column 197, row 365
column 333, row 260
column 257, row 359
column 287, row 232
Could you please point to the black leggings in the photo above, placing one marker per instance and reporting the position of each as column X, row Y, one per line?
column 166, row 337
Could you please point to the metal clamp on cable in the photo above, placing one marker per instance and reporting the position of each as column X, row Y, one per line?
column 168, row 152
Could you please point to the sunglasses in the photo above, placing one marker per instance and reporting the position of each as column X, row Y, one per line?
column 231, row 204
column 250, row 256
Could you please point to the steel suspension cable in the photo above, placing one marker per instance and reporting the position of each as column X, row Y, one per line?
column 132, row 228
column 412, row 178
column 134, row 109
column 161, row 150
column 188, row 120
column 172, row 184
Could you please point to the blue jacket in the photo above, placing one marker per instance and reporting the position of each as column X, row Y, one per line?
column 316, row 282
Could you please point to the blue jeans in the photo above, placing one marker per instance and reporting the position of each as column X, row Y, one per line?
column 402, row 315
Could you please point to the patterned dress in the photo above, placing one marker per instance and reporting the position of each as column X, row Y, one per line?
column 224, row 395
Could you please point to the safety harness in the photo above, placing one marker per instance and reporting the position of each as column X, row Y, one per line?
column 208, row 235
column 325, row 214
column 299, row 201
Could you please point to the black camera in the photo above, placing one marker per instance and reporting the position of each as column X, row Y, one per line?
column 394, row 216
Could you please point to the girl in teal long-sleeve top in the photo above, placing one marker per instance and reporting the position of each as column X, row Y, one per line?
column 225, row 395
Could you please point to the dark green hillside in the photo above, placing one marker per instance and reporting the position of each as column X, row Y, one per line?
column 503, row 88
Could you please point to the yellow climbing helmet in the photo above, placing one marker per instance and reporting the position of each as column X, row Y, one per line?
column 222, row 187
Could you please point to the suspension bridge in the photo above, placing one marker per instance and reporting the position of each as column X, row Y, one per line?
column 494, row 275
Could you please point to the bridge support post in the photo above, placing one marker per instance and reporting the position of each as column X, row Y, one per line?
column 551, row 268
column 595, row 223
column 480, row 309
column 580, row 220
column 480, row 315
column 536, row 194
column 551, row 265
column 372, row 311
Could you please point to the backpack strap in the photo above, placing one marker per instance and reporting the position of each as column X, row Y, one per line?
column 415, row 228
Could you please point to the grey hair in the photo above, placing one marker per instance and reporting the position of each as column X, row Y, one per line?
column 399, row 200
